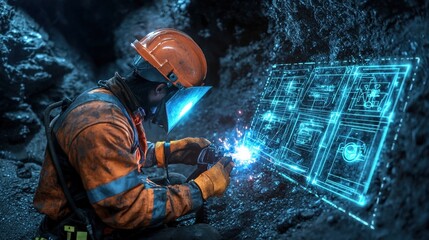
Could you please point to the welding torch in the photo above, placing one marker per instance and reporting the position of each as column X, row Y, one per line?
column 208, row 157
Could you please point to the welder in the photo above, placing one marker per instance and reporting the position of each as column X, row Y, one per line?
column 93, row 182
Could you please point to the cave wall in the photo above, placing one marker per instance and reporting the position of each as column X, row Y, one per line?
column 35, row 71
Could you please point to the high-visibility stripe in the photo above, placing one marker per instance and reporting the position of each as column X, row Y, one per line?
column 196, row 197
column 159, row 201
column 114, row 187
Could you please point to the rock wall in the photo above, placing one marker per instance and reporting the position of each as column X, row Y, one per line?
column 35, row 71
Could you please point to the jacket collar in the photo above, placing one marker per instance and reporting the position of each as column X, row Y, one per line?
column 121, row 90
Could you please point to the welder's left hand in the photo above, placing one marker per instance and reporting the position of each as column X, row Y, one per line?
column 214, row 181
column 184, row 150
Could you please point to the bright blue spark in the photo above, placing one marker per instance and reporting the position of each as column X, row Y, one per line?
column 243, row 155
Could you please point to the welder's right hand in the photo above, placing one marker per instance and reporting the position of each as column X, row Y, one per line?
column 214, row 181
column 184, row 150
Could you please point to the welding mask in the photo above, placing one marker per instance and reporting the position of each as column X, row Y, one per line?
column 176, row 103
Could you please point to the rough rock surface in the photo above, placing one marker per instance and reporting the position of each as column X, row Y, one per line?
column 241, row 39
column 34, row 73
column 27, row 68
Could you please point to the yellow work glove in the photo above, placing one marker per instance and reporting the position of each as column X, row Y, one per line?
column 185, row 151
column 214, row 181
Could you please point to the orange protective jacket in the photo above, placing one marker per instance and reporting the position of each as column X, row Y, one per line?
column 98, row 141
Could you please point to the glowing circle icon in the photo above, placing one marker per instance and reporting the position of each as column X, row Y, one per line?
column 351, row 152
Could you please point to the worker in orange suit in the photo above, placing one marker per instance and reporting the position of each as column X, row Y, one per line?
column 101, row 148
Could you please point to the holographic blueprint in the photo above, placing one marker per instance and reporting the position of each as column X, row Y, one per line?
column 324, row 125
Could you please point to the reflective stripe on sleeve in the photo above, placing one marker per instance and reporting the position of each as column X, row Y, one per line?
column 197, row 199
column 114, row 187
column 159, row 201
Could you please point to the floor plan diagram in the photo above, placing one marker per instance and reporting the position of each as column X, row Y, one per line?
column 325, row 125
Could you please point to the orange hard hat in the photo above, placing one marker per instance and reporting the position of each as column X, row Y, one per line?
column 175, row 55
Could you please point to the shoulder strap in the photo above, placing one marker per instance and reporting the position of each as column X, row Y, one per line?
column 89, row 96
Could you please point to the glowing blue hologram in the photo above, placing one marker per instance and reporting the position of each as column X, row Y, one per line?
column 352, row 151
column 268, row 116
column 324, row 125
